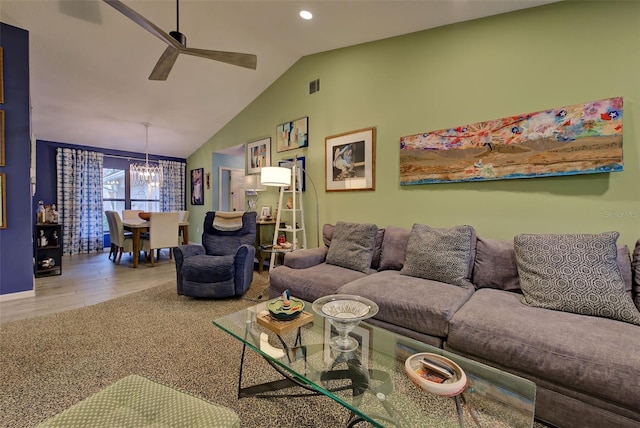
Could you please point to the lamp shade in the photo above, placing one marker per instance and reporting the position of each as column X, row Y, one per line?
column 252, row 184
column 275, row 176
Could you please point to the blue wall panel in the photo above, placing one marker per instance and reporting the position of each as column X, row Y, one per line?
column 16, row 250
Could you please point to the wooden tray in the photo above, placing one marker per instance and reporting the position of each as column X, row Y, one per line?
column 282, row 327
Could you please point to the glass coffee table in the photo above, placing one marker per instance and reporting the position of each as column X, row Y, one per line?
column 371, row 382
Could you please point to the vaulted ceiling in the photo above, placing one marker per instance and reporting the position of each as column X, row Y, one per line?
column 89, row 64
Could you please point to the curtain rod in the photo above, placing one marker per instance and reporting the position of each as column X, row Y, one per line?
column 130, row 158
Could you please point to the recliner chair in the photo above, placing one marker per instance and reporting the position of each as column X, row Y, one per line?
column 223, row 265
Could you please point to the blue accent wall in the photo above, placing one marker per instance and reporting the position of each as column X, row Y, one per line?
column 16, row 249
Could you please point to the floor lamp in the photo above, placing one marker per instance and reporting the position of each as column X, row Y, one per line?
column 281, row 177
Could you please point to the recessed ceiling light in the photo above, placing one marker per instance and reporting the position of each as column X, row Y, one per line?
column 305, row 14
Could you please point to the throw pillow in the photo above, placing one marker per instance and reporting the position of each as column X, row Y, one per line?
column 444, row 255
column 574, row 273
column 352, row 246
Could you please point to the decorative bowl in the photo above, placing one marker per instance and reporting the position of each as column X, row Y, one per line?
column 144, row 215
column 282, row 313
column 418, row 374
column 344, row 312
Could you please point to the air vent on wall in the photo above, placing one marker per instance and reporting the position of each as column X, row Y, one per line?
column 314, row 86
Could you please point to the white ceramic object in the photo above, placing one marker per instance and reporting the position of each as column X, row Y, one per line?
column 344, row 312
column 448, row 388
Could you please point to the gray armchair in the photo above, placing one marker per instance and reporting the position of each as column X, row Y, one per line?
column 223, row 265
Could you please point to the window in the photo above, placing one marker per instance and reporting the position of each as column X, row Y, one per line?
column 118, row 194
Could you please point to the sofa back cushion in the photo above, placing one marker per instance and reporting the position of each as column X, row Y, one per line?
column 352, row 246
column 444, row 255
column 636, row 274
column 495, row 266
column 574, row 273
column 394, row 248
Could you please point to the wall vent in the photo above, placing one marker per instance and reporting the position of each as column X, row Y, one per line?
column 314, row 86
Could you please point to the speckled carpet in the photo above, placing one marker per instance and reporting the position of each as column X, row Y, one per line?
column 51, row 362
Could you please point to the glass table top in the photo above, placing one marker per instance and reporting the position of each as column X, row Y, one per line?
column 371, row 381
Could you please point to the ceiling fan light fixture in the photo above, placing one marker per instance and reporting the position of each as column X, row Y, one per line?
column 305, row 14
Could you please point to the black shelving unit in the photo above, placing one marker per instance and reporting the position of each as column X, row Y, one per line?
column 49, row 256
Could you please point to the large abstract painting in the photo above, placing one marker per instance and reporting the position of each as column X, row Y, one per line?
column 578, row 139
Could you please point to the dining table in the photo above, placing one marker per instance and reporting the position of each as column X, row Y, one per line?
column 138, row 226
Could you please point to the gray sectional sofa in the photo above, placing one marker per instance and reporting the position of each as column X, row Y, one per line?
column 486, row 303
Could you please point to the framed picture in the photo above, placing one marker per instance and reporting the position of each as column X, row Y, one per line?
column 1, row 76
column 258, row 155
column 3, row 201
column 197, row 191
column 350, row 161
column 292, row 135
column 361, row 333
column 1, row 137
column 301, row 176
column 265, row 212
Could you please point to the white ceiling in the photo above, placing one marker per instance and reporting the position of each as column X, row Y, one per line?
column 89, row 64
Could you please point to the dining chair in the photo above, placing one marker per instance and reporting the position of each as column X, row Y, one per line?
column 131, row 214
column 163, row 233
column 112, row 232
column 123, row 241
column 183, row 217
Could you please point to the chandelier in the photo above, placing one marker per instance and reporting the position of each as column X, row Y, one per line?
column 145, row 174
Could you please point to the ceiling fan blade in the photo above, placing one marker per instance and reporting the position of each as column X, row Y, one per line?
column 234, row 58
column 165, row 64
column 143, row 22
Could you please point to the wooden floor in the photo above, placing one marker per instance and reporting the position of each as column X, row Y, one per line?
column 88, row 279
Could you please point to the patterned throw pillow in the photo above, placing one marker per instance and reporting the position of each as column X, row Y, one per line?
column 352, row 246
column 574, row 273
column 444, row 255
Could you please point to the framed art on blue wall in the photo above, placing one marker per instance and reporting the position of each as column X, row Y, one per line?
column 3, row 201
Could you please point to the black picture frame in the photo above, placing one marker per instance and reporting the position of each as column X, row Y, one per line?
column 197, row 186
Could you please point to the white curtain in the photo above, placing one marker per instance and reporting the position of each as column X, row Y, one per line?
column 172, row 191
column 79, row 182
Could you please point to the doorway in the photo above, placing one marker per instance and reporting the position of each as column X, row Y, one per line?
column 231, row 189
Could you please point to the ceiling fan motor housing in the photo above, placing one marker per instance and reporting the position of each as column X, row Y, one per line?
column 181, row 38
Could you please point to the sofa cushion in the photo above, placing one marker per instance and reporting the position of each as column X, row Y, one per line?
column 352, row 246
column 203, row 268
column 586, row 355
column 417, row 304
column 495, row 265
column 444, row 255
column 394, row 247
column 311, row 283
column 327, row 234
column 574, row 273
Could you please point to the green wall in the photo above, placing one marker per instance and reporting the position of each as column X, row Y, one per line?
column 551, row 56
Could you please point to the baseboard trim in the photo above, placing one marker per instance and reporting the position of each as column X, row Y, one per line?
column 18, row 295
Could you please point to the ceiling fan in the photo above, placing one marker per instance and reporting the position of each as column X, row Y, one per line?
column 178, row 44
